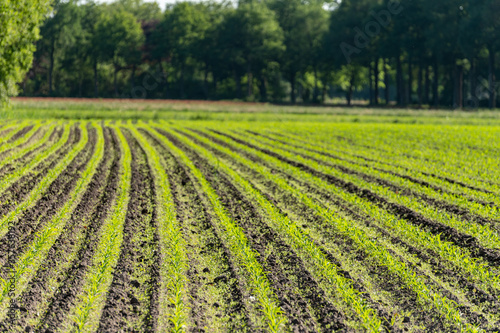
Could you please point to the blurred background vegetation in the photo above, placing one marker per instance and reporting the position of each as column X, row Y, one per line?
column 422, row 53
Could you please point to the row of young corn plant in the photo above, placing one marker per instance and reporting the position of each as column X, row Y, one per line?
column 413, row 235
column 6, row 127
column 321, row 268
column 85, row 314
column 29, row 262
column 353, row 157
column 13, row 129
column 40, row 188
column 467, row 203
column 34, row 145
column 485, row 235
column 372, row 248
column 429, row 158
column 10, row 178
column 236, row 241
column 455, row 254
column 349, row 260
column 462, row 201
column 12, row 145
column 173, row 294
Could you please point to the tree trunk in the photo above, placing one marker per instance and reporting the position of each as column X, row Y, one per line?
column 473, row 85
column 323, row 93
column 399, row 80
column 205, row 82
column 370, row 82
column 435, row 85
column 132, row 79
column 181, row 85
column 80, row 86
column 420, row 87
column 115, row 80
column 410, row 80
column 249, row 79
column 292, row 83
column 164, row 75
column 349, row 93
column 263, row 88
column 491, row 78
column 237, row 81
column 96, row 88
column 51, row 65
column 460, row 87
column 376, row 75
column 386, row 82
column 427, row 86
column 458, row 78
column 316, row 90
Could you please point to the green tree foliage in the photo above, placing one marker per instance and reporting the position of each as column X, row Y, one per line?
column 118, row 39
column 417, row 53
column 19, row 29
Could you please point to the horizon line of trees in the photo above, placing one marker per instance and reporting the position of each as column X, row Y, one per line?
column 420, row 53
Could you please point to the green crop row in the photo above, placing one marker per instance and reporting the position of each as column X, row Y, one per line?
column 173, row 312
column 85, row 314
column 12, row 177
column 483, row 233
column 13, row 130
column 350, row 157
column 30, row 147
column 430, row 149
column 442, row 304
column 21, row 140
column 306, row 248
column 234, row 238
column 487, row 211
column 28, row 264
column 40, row 188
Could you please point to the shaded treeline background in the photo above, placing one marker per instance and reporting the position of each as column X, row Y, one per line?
column 426, row 52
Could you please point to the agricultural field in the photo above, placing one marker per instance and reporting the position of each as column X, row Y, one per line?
column 202, row 225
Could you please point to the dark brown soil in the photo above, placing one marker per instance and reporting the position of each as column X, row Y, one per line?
column 30, row 301
column 87, row 234
column 297, row 291
column 132, row 301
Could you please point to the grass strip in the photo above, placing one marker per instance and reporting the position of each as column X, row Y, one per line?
column 40, row 188
column 85, row 315
column 447, row 308
column 234, row 238
column 26, row 267
column 173, row 310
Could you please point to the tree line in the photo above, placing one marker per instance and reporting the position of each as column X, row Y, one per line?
column 418, row 53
